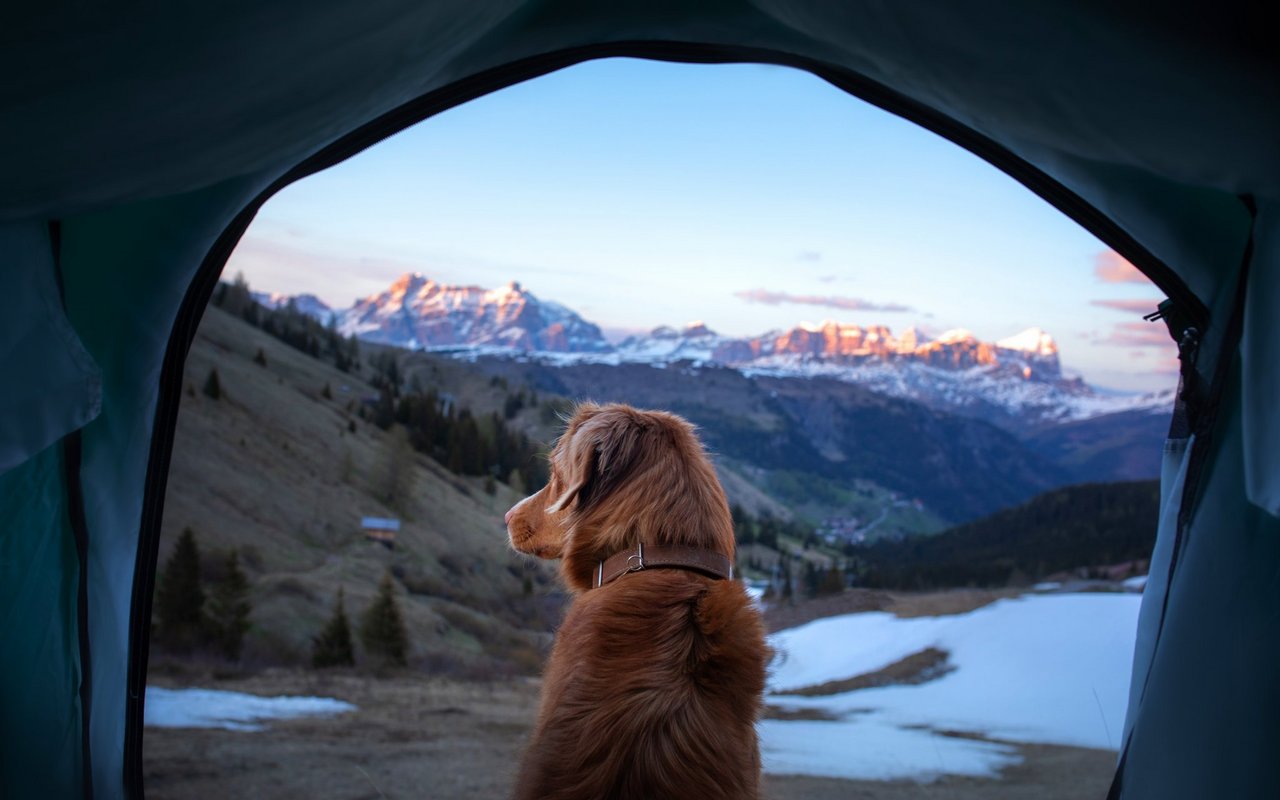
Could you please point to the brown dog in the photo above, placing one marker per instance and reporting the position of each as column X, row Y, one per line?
column 655, row 681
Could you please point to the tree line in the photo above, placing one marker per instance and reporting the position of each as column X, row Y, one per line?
column 463, row 442
column 203, row 608
column 765, row 528
column 1089, row 525
column 289, row 325
column 190, row 619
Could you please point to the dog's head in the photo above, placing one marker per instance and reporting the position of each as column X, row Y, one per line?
column 619, row 477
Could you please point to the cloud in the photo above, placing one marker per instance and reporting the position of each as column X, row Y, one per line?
column 827, row 278
column 278, row 264
column 768, row 298
column 1110, row 267
column 1138, row 334
column 1128, row 306
column 809, row 256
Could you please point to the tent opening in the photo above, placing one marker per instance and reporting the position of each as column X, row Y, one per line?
column 932, row 400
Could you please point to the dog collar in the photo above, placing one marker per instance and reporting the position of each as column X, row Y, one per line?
column 656, row 556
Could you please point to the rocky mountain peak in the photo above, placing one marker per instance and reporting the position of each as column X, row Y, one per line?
column 418, row 312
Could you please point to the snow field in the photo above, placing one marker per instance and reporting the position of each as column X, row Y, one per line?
column 1048, row 669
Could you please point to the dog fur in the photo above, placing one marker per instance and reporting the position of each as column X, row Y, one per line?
column 655, row 681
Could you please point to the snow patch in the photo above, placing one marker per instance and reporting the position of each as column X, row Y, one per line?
column 1048, row 669
column 1033, row 340
column 872, row 749
column 232, row 711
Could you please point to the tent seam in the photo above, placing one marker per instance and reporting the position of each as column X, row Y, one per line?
column 78, row 522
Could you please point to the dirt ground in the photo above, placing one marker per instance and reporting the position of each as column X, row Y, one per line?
column 778, row 616
column 421, row 737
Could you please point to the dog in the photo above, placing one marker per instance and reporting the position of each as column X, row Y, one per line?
column 656, row 678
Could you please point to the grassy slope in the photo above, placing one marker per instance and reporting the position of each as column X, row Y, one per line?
column 272, row 469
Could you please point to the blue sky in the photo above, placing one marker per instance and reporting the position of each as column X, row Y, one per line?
column 750, row 197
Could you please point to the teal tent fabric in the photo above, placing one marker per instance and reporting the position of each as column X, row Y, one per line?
column 54, row 386
column 146, row 137
column 40, row 716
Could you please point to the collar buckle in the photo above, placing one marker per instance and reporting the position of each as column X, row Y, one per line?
column 635, row 561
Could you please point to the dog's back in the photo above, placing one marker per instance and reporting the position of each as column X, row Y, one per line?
column 657, row 675
column 652, row 692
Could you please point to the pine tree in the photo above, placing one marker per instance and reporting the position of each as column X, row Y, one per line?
column 260, row 358
column 179, row 598
column 332, row 648
column 229, row 609
column 396, row 479
column 382, row 629
column 212, row 386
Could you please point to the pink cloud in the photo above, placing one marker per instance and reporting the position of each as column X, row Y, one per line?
column 281, row 264
column 1127, row 306
column 1110, row 267
column 770, row 298
column 1139, row 334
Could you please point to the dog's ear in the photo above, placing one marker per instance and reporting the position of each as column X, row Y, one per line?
column 603, row 450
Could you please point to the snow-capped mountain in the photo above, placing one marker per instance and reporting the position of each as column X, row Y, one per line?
column 1017, row 380
column 307, row 304
column 417, row 312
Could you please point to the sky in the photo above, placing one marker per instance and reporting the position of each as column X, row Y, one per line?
column 748, row 197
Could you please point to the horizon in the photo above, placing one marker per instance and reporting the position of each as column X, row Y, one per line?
column 752, row 198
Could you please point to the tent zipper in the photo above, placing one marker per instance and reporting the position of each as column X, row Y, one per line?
column 1188, row 400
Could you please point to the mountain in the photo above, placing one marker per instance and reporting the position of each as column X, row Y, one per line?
column 1123, row 446
column 1016, row 382
column 810, row 441
column 416, row 312
column 307, row 304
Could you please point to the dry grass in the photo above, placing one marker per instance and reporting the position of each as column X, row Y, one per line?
column 901, row 604
column 274, row 470
column 927, row 665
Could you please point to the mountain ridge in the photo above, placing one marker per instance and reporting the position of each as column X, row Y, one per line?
column 1017, row 381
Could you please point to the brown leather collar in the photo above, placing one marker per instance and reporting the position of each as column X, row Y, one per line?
column 654, row 556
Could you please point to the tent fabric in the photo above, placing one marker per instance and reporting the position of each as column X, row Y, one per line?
column 1173, row 478
column 40, row 353
column 1260, row 356
column 150, row 135
column 40, row 712
column 1208, row 724
column 141, row 257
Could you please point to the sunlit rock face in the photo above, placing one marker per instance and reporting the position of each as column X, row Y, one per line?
column 416, row 311
column 1019, row 377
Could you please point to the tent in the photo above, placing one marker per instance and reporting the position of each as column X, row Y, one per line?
column 137, row 142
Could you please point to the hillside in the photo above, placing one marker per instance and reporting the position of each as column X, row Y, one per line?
column 284, row 474
column 1090, row 525
column 1114, row 447
column 831, row 431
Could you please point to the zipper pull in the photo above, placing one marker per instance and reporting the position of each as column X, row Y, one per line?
column 1186, row 406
